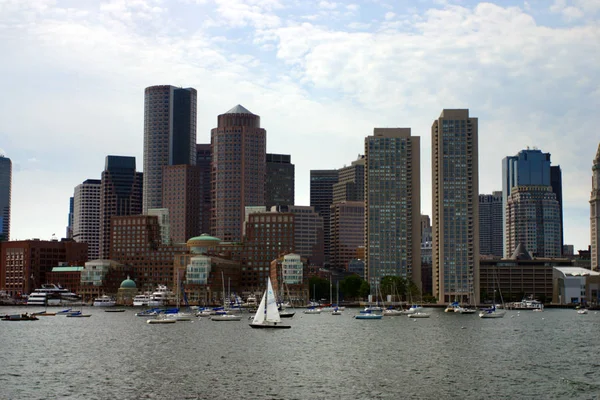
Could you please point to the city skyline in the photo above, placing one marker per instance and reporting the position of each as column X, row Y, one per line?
column 281, row 61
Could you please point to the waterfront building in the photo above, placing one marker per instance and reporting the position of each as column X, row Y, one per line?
column 351, row 182
column 238, row 171
column 347, row 232
column 70, row 218
column 575, row 286
column 518, row 276
column 321, row 199
column 24, row 264
column 392, row 205
column 86, row 215
column 169, row 136
column 357, row 266
column 308, row 233
column 490, row 224
column 287, row 277
column 203, row 161
column 268, row 236
column 595, row 214
column 120, row 195
column 67, row 276
column 280, row 180
column 533, row 218
column 136, row 242
column 164, row 223
column 5, row 197
column 530, row 167
column 455, row 207
column 182, row 197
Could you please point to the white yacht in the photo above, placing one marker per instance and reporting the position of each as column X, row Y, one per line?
column 52, row 295
column 161, row 297
column 104, row 301
column 141, row 300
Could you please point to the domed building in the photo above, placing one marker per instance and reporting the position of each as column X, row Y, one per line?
column 203, row 244
column 127, row 291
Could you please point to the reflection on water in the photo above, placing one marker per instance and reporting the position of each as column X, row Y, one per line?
column 553, row 354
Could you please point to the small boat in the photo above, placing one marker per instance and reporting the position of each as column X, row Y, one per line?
column 452, row 307
column 161, row 319
column 104, row 301
column 267, row 315
column 114, row 310
column 180, row 316
column 226, row 317
column 582, row 311
column 312, row 310
column 392, row 312
column 336, row 311
column 286, row 314
column 152, row 312
column 368, row 316
column 44, row 314
column 465, row 310
column 19, row 317
column 492, row 312
column 538, row 310
column 65, row 311
column 419, row 315
column 78, row 315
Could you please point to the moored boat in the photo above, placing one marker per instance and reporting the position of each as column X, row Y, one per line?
column 267, row 315
column 19, row 317
column 104, row 301
column 368, row 315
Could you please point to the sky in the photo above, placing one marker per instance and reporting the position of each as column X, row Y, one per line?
column 321, row 74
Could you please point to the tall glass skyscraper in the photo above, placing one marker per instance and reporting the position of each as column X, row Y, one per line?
column 5, row 195
column 455, row 207
column 392, row 205
column 321, row 198
column 169, row 136
column 530, row 167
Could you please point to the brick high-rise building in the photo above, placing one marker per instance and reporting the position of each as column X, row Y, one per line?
column 5, row 196
column 239, row 147
column 279, row 182
column 182, row 197
column 321, row 198
column 347, row 232
column 203, row 161
column 120, row 194
column 351, row 182
column 392, row 205
column 169, row 136
column 308, row 233
column 455, row 207
column 86, row 216
column 24, row 265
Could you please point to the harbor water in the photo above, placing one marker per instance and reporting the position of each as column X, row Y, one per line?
column 553, row 354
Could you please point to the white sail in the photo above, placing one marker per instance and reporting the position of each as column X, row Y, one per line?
column 259, row 317
column 272, row 311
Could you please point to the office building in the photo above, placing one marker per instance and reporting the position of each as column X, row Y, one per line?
column 165, row 225
column 595, row 213
column 70, row 218
column 182, row 197
column 169, row 136
column 351, row 182
column 556, row 183
column 530, row 167
column 321, row 199
column 120, row 195
column 238, row 171
column 533, row 218
column 5, row 196
column 347, row 232
column 279, row 182
column 203, row 161
column 392, row 205
column 455, row 207
column 490, row 224
column 86, row 215
column 308, row 233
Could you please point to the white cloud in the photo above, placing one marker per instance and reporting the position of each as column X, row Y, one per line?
column 389, row 15
column 328, row 5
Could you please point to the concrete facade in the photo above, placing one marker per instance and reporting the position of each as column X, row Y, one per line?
column 182, row 197
column 86, row 215
column 595, row 213
column 490, row 224
column 347, row 232
column 5, row 196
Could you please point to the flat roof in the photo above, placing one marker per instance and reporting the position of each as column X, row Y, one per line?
column 67, row 269
column 576, row 271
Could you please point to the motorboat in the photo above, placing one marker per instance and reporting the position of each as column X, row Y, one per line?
column 104, row 301
column 152, row 312
column 582, row 311
column 526, row 304
column 141, row 300
column 492, row 312
column 286, row 313
column 392, row 312
column 226, row 317
column 114, row 310
column 412, row 310
column 312, row 310
column 452, row 307
column 363, row 315
column 180, row 316
column 52, row 295
column 19, row 317
column 465, row 310
column 161, row 319
column 419, row 315
column 161, row 297
column 78, row 314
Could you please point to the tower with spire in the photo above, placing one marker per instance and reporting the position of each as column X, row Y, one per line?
column 595, row 212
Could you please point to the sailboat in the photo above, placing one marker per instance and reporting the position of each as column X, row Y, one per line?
column 225, row 314
column 492, row 312
column 267, row 315
column 284, row 312
column 336, row 310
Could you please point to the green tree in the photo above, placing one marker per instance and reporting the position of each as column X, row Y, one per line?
column 364, row 290
column 393, row 285
column 318, row 288
column 350, row 286
column 413, row 291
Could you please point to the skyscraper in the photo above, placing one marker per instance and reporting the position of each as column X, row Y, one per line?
column 203, row 161
column 556, row 183
column 351, row 182
column 279, row 183
column 169, row 136
column 490, row 224
column 528, row 167
column 70, row 218
column 392, row 205
column 86, row 216
column 239, row 147
column 321, row 199
column 455, row 207
column 308, row 233
column 182, row 197
column 120, row 195
column 347, row 231
column 595, row 213
column 532, row 218
column 5, row 196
